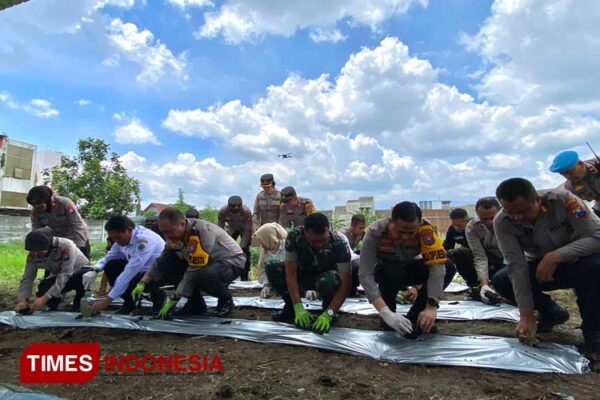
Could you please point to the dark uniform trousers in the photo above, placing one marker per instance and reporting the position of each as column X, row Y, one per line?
column 246, row 250
column 583, row 275
column 326, row 283
column 74, row 283
column 112, row 270
column 465, row 264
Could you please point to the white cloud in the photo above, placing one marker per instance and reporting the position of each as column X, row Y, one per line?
column 133, row 131
column 320, row 35
column 83, row 102
column 541, row 53
column 191, row 3
column 40, row 108
column 385, row 125
column 140, row 46
column 242, row 20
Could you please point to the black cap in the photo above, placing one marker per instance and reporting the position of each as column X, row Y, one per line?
column 39, row 239
column 266, row 177
column 287, row 193
column 192, row 213
column 234, row 201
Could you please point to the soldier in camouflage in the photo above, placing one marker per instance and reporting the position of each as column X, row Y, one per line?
column 294, row 209
column 317, row 262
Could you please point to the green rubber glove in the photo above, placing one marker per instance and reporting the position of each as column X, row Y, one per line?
column 137, row 291
column 323, row 323
column 164, row 311
column 303, row 319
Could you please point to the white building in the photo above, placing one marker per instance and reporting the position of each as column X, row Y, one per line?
column 17, row 172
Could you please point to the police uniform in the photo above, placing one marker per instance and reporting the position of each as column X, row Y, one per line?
column 318, row 269
column 212, row 259
column 65, row 221
column 567, row 225
column 291, row 217
column 487, row 257
column 124, row 266
column 354, row 263
column 266, row 208
column 588, row 187
column 388, row 265
column 238, row 224
column 65, row 264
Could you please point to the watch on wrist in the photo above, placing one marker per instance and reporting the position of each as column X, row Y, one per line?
column 433, row 302
column 330, row 312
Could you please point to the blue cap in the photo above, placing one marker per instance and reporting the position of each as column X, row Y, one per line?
column 564, row 161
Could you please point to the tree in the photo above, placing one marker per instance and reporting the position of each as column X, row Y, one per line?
column 210, row 214
column 180, row 204
column 369, row 215
column 99, row 186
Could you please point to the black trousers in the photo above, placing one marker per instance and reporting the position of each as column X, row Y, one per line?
column 74, row 283
column 465, row 264
column 246, row 250
column 583, row 275
column 112, row 270
column 393, row 277
column 170, row 270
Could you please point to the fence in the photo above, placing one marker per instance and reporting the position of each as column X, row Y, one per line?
column 15, row 228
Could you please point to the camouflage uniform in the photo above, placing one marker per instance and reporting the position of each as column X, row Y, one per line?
column 318, row 269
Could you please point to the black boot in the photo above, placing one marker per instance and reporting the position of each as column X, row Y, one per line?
column 285, row 315
column 53, row 303
column 551, row 314
column 194, row 306
column 224, row 307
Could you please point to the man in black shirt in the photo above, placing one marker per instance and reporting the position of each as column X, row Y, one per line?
column 461, row 256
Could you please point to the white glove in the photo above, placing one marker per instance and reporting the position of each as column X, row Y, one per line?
column 482, row 293
column 311, row 295
column 396, row 321
column 88, row 279
column 264, row 293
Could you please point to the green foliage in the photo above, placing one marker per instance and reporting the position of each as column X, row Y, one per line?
column 210, row 214
column 149, row 213
column 180, row 204
column 370, row 216
column 336, row 223
column 98, row 185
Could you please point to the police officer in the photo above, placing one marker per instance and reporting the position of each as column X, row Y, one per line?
column 460, row 256
column 583, row 177
column 389, row 262
column 60, row 214
column 134, row 250
column 192, row 213
column 236, row 219
column 65, row 264
column 550, row 241
column 294, row 209
column 487, row 257
column 213, row 261
column 317, row 261
column 267, row 203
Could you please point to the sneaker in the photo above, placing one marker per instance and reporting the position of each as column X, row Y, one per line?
column 554, row 315
column 224, row 307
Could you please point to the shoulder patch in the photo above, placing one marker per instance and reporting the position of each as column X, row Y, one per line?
column 65, row 255
column 575, row 208
column 309, row 208
column 141, row 244
column 431, row 246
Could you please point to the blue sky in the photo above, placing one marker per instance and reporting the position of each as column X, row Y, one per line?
column 420, row 99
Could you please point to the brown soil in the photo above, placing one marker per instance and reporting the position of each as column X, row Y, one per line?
column 258, row 371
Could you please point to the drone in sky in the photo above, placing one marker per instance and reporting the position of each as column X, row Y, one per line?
column 285, row 155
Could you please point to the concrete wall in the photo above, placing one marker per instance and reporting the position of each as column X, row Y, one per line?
column 15, row 228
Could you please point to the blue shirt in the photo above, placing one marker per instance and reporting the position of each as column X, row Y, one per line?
column 143, row 249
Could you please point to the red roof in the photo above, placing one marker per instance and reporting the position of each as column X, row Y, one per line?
column 157, row 206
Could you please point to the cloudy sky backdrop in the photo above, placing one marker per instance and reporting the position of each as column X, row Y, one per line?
column 400, row 99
